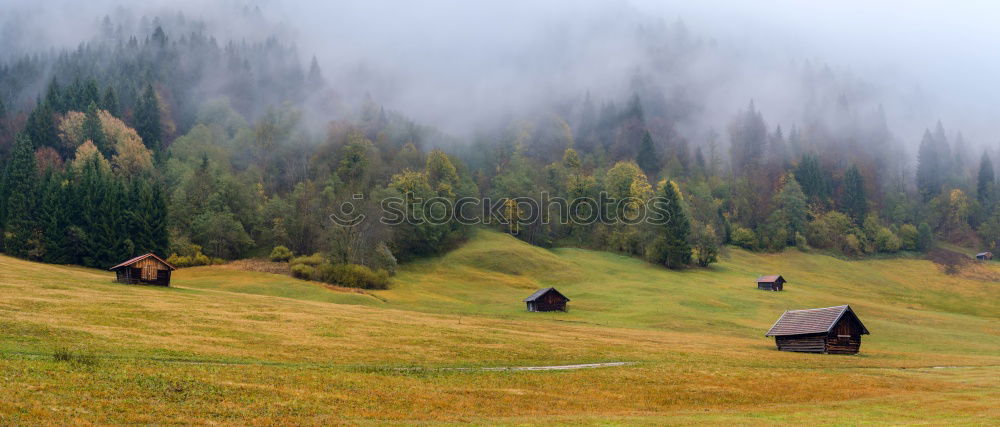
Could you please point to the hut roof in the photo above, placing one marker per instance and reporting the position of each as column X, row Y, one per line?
column 812, row 321
column 142, row 257
column 983, row 253
column 770, row 278
column 538, row 294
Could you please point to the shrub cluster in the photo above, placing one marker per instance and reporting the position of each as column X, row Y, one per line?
column 315, row 267
column 192, row 257
column 281, row 254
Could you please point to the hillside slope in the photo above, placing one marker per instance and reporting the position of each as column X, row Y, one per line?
column 237, row 347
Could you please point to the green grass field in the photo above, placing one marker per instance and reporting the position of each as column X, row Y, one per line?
column 233, row 347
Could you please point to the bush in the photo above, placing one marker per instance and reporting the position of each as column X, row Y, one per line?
column 744, row 238
column 908, row 236
column 352, row 276
column 384, row 260
column 311, row 260
column 303, row 271
column 195, row 260
column 830, row 230
column 800, row 242
column 281, row 254
column 886, row 241
column 852, row 246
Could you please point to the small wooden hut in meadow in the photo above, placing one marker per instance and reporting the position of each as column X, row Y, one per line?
column 984, row 256
column 547, row 299
column 772, row 282
column 835, row 330
column 147, row 268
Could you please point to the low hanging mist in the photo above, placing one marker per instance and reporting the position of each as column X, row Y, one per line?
column 873, row 123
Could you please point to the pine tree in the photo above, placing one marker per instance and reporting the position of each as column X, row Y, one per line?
column 748, row 139
column 854, row 203
column 929, row 170
column 315, row 77
column 20, row 183
column 41, row 127
column 147, row 119
column 53, row 218
column 55, row 98
column 647, row 158
column 93, row 131
column 89, row 94
column 985, row 180
column 109, row 102
column 813, row 179
column 671, row 247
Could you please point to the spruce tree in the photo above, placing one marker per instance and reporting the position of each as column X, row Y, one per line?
column 54, row 97
column 647, row 159
column 92, row 130
column 147, row 119
column 672, row 248
column 855, row 203
column 20, row 183
column 812, row 179
column 985, row 180
column 53, row 218
column 928, row 168
column 89, row 94
column 109, row 102
column 41, row 127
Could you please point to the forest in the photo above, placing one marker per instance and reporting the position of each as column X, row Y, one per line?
column 157, row 136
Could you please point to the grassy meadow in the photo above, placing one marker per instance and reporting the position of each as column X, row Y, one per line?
column 235, row 347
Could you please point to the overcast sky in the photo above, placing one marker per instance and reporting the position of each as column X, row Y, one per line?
column 442, row 61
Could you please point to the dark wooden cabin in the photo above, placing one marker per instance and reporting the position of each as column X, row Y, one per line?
column 984, row 256
column 832, row 330
column 771, row 283
column 548, row 299
column 147, row 268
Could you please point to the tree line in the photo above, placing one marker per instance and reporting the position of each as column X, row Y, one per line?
column 118, row 156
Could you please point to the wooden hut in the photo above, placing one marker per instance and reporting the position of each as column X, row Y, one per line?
column 147, row 268
column 984, row 256
column 771, row 283
column 835, row 330
column 548, row 299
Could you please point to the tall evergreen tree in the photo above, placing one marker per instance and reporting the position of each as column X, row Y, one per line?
column 109, row 102
column 648, row 159
column 20, row 183
column 147, row 119
column 53, row 217
column 855, row 202
column 671, row 247
column 93, row 131
column 929, row 168
column 985, row 180
column 813, row 179
column 54, row 97
column 89, row 94
column 748, row 139
column 41, row 126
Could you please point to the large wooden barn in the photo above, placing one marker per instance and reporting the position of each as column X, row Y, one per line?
column 147, row 268
column 547, row 299
column 835, row 330
column 772, row 282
